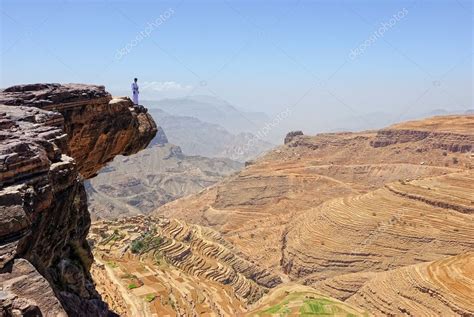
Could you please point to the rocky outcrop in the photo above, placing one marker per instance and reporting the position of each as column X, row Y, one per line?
column 98, row 127
column 445, row 141
column 291, row 135
column 109, row 291
column 52, row 136
column 447, row 133
column 21, row 286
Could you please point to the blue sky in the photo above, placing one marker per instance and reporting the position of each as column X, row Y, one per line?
column 258, row 55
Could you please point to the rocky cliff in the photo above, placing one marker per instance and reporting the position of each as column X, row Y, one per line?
column 52, row 137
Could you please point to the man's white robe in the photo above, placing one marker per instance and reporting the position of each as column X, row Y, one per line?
column 135, row 93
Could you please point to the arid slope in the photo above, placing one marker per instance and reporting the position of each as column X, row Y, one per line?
column 254, row 208
column 161, row 173
column 175, row 267
column 350, row 205
column 441, row 288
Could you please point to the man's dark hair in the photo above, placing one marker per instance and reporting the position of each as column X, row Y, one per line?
column 135, row 79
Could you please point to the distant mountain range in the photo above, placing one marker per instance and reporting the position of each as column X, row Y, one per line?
column 197, row 137
column 137, row 184
column 209, row 109
column 212, row 110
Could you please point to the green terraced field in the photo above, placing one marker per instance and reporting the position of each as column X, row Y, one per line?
column 306, row 304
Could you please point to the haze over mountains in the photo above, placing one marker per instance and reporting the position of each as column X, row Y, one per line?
column 197, row 137
column 380, row 119
column 213, row 110
column 247, row 125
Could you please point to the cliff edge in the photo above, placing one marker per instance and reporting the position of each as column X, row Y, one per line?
column 53, row 137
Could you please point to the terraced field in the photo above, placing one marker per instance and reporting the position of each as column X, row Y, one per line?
column 377, row 222
column 173, row 266
column 253, row 209
column 452, row 191
column 382, row 229
column 299, row 300
column 441, row 288
column 341, row 211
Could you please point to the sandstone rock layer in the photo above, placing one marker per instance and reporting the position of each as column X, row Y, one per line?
column 52, row 136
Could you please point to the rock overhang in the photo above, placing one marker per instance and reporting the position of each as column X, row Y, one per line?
column 52, row 136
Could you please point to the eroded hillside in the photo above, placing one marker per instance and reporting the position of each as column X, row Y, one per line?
column 161, row 173
column 401, row 224
column 351, row 206
column 377, row 222
column 163, row 266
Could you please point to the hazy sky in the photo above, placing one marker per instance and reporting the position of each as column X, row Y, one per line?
column 321, row 58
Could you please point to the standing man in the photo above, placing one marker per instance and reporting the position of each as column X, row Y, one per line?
column 135, row 91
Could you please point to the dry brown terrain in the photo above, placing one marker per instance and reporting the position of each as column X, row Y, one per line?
column 380, row 220
column 254, row 208
column 136, row 185
column 382, row 229
column 441, row 288
column 176, row 267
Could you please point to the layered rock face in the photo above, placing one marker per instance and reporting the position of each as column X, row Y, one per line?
column 53, row 136
column 98, row 127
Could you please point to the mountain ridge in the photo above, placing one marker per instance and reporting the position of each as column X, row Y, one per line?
column 193, row 136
